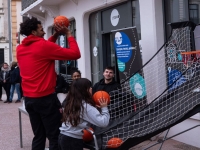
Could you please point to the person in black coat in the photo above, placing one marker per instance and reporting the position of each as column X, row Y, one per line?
column 15, row 81
column 5, row 80
column 61, row 85
column 108, row 83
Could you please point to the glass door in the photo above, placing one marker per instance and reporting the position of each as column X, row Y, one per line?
column 109, row 55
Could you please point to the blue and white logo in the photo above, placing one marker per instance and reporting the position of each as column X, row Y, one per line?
column 114, row 17
column 175, row 78
column 123, row 47
column 137, row 85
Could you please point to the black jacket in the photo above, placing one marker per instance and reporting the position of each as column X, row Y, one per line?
column 15, row 75
column 7, row 76
column 102, row 86
column 61, row 85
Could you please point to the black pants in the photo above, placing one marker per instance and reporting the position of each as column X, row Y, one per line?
column 6, row 87
column 69, row 143
column 45, row 119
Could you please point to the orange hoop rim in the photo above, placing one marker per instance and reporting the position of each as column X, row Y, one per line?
column 190, row 52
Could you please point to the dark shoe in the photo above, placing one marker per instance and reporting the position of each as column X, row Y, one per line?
column 1, row 100
column 18, row 101
column 6, row 102
column 9, row 101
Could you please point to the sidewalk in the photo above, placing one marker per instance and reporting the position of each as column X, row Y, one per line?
column 10, row 139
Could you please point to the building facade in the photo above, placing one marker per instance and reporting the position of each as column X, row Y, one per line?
column 4, row 33
column 9, row 28
column 16, row 19
column 94, row 21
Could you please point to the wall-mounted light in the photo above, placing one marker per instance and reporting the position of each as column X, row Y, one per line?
column 29, row 16
column 42, row 9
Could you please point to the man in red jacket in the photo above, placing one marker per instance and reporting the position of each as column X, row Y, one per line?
column 36, row 58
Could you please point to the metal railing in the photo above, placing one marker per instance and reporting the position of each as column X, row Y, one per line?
column 26, row 3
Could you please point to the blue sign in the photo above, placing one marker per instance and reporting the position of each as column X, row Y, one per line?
column 123, row 47
column 127, row 52
column 175, row 78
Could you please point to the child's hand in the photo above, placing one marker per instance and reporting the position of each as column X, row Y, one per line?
column 102, row 102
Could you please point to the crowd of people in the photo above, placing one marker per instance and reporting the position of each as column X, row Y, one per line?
column 10, row 80
column 62, row 124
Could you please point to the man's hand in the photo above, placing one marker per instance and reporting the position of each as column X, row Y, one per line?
column 61, row 30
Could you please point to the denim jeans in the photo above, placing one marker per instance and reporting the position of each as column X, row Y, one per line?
column 69, row 143
column 12, row 89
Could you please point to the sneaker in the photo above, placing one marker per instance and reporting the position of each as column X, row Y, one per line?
column 18, row 101
column 6, row 101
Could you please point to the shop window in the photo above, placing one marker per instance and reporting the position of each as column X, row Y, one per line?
column 64, row 66
column 194, row 13
column 102, row 51
column 175, row 11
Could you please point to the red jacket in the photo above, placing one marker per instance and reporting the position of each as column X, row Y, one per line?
column 36, row 58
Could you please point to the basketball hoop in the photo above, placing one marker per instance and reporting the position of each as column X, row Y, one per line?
column 191, row 61
column 189, row 58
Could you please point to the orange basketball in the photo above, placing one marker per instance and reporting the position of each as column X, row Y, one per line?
column 114, row 143
column 87, row 136
column 100, row 94
column 61, row 20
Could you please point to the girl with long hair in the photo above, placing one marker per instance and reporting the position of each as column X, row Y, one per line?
column 79, row 113
column 75, row 74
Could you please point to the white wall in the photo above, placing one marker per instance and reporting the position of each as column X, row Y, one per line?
column 152, row 38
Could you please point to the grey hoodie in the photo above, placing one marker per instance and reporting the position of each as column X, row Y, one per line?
column 91, row 116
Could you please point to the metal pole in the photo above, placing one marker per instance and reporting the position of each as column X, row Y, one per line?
column 20, row 129
column 9, row 30
column 164, row 139
column 95, row 139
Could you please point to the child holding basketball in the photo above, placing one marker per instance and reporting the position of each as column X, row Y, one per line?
column 79, row 113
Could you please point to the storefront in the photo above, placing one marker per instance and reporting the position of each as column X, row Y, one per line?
column 93, row 23
column 102, row 23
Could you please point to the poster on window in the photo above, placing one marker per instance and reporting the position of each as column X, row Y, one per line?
column 127, row 49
